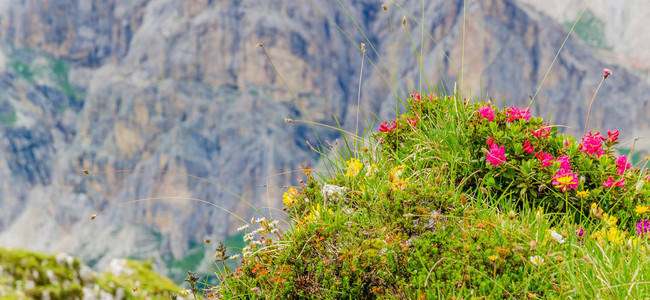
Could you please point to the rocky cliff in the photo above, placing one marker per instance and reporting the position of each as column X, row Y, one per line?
column 181, row 86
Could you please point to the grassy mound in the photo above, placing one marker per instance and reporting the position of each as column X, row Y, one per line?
column 29, row 275
column 456, row 199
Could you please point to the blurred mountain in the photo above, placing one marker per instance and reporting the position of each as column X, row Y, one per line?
column 615, row 30
column 180, row 86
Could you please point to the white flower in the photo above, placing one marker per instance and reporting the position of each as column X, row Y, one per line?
column 260, row 220
column 556, row 236
column 537, row 260
column 234, row 257
column 248, row 237
column 185, row 292
column 243, row 228
column 639, row 185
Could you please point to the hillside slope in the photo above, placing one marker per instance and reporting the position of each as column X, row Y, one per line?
column 181, row 86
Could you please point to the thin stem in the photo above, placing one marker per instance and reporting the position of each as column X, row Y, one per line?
column 591, row 104
column 558, row 52
column 416, row 54
column 295, row 99
column 356, row 130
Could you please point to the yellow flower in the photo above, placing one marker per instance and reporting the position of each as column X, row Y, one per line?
column 640, row 209
column 583, row 194
column 396, row 173
column 493, row 257
column 611, row 234
column 315, row 213
column 540, row 212
column 596, row 211
column 615, row 236
column 400, row 184
column 290, row 197
column 354, row 166
column 611, row 220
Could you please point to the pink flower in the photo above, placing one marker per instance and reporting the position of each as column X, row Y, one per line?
column 528, row 147
column 592, row 144
column 545, row 158
column 643, row 227
column 566, row 143
column 565, row 162
column 412, row 122
column 496, row 155
column 606, row 72
column 384, row 127
column 612, row 136
column 486, row 112
column 543, row 131
column 490, row 142
column 416, row 97
column 515, row 113
column 432, row 96
column 622, row 165
column 611, row 183
column 565, row 179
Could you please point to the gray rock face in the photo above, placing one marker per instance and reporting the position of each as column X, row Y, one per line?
column 180, row 86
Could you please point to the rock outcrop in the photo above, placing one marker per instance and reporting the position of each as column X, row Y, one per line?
column 180, row 86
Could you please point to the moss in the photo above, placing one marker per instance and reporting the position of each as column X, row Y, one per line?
column 64, row 282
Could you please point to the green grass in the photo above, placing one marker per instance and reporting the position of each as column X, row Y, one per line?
column 424, row 215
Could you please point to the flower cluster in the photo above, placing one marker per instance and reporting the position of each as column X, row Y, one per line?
column 396, row 180
column 290, row 197
column 486, row 112
column 354, row 167
column 592, row 144
column 643, row 227
column 545, row 158
column 565, row 179
column 496, row 155
column 384, row 127
column 514, row 113
column 622, row 165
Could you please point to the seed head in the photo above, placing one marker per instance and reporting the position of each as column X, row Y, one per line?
column 93, row 217
column 363, row 47
column 259, row 45
column 404, row 20
column 287, row 120
column 606, row 72
column 384, row 7
column 207, row 240
column 86, row 172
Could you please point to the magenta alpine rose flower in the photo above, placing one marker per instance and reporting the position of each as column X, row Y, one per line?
column 545, row 158
column 496, row 155
column 612, row 136
column 486, row 112
column 622, row 165
column 384, row 127
column 515, row 113
column 528, row 147
column 565, row 162
column 610, row 183
column 592, row 144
